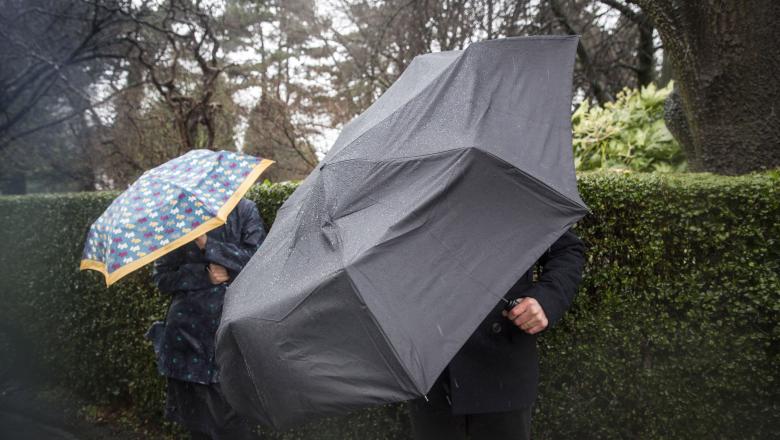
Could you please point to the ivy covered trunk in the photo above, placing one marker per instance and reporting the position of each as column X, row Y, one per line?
column 726, row 60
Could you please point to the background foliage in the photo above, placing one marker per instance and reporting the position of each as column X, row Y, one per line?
column 628, row 133
column 97, row 91
column 674, row 333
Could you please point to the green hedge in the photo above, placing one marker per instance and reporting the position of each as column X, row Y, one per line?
column 674, row 333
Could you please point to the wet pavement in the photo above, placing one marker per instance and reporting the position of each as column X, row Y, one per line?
column 24, row 414
column 18, row 427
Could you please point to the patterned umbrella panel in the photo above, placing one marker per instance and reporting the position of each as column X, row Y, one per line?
column 167, row 207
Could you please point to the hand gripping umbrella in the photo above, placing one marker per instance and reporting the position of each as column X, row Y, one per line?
column 426, row 210
column 167, row 207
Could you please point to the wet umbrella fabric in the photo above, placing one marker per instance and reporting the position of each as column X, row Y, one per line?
column 167, row 207
column 424, row 213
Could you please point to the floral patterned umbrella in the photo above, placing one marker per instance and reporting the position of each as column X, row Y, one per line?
column 167, row 207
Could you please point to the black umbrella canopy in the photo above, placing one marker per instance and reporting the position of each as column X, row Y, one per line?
column 426, row 210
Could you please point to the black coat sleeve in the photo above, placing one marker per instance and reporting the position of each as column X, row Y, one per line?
column 561, row 274
column 171, row 274
column 234, row 256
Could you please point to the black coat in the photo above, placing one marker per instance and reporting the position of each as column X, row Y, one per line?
column 184, row 344
column 497, row 369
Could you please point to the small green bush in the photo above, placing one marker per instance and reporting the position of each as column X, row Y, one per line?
column 674, row 334
column 627, row 134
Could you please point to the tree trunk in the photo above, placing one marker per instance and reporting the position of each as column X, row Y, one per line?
column 666, row 73
column 645, row 49
column 726, row 62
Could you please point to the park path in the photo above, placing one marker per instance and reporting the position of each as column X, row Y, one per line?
column 24, row 415
column 19, row 427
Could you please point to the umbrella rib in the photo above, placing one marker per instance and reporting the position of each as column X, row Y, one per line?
column 573, row 203
column 386, row 338
column 430, row 84
column 381, row 331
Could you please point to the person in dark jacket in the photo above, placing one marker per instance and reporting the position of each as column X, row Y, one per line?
column 489, row 387
column 196, row 276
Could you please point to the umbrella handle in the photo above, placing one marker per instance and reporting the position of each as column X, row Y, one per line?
column 510, row 304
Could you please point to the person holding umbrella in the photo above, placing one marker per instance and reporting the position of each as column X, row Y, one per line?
column 189, row 218
column 196, row 276
column 487, row 390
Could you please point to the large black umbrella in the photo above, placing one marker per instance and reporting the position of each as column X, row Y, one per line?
column 426, row 210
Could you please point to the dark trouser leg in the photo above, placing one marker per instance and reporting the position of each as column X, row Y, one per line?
column 512, row 425
column 229, row 424
column 236, row 428
column 197, row 435
column 203, row 410
column 433, row 419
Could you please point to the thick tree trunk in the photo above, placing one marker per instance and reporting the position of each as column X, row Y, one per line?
column 645, row 49
column 666, row 74
column 726, row 62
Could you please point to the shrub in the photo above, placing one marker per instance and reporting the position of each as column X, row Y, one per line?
column 674, row 333
column 626, row 134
